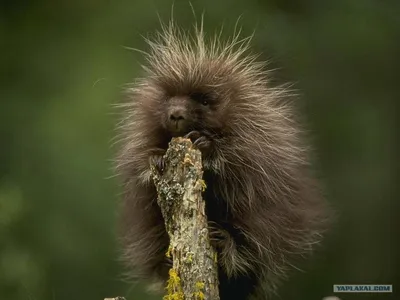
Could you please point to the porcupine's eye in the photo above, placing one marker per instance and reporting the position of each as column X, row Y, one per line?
column 202, row 98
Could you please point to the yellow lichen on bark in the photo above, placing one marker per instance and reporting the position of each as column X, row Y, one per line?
column 199, row 295
column 174, row 288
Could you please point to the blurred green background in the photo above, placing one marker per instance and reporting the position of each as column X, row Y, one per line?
column 63, row 64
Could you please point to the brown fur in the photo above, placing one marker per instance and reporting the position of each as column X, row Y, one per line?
column 262, row 202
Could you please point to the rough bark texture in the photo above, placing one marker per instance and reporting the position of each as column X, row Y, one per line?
column 194, row 272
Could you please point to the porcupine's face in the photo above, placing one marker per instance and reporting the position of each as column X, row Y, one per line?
column 195, row 110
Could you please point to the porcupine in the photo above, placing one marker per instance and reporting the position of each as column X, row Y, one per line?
column 262, row 200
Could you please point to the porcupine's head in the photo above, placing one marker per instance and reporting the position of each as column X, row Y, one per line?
column 197, row 83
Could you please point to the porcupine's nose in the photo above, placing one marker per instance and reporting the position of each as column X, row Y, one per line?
column 177, row 120
column 177, row 114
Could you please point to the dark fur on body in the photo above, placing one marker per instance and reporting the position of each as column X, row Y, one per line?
column 262, row 203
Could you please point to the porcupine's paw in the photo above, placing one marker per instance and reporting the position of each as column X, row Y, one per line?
column 218, row 236
column 202, row 141
column 168, row 262
column 157, row 159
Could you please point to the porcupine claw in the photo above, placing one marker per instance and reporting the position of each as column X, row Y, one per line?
column 217, row 235
column 200, row 140
column 168, row 262
column 157, row 159
column 193, row 135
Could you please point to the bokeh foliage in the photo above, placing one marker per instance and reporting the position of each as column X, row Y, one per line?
column 63, row 63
